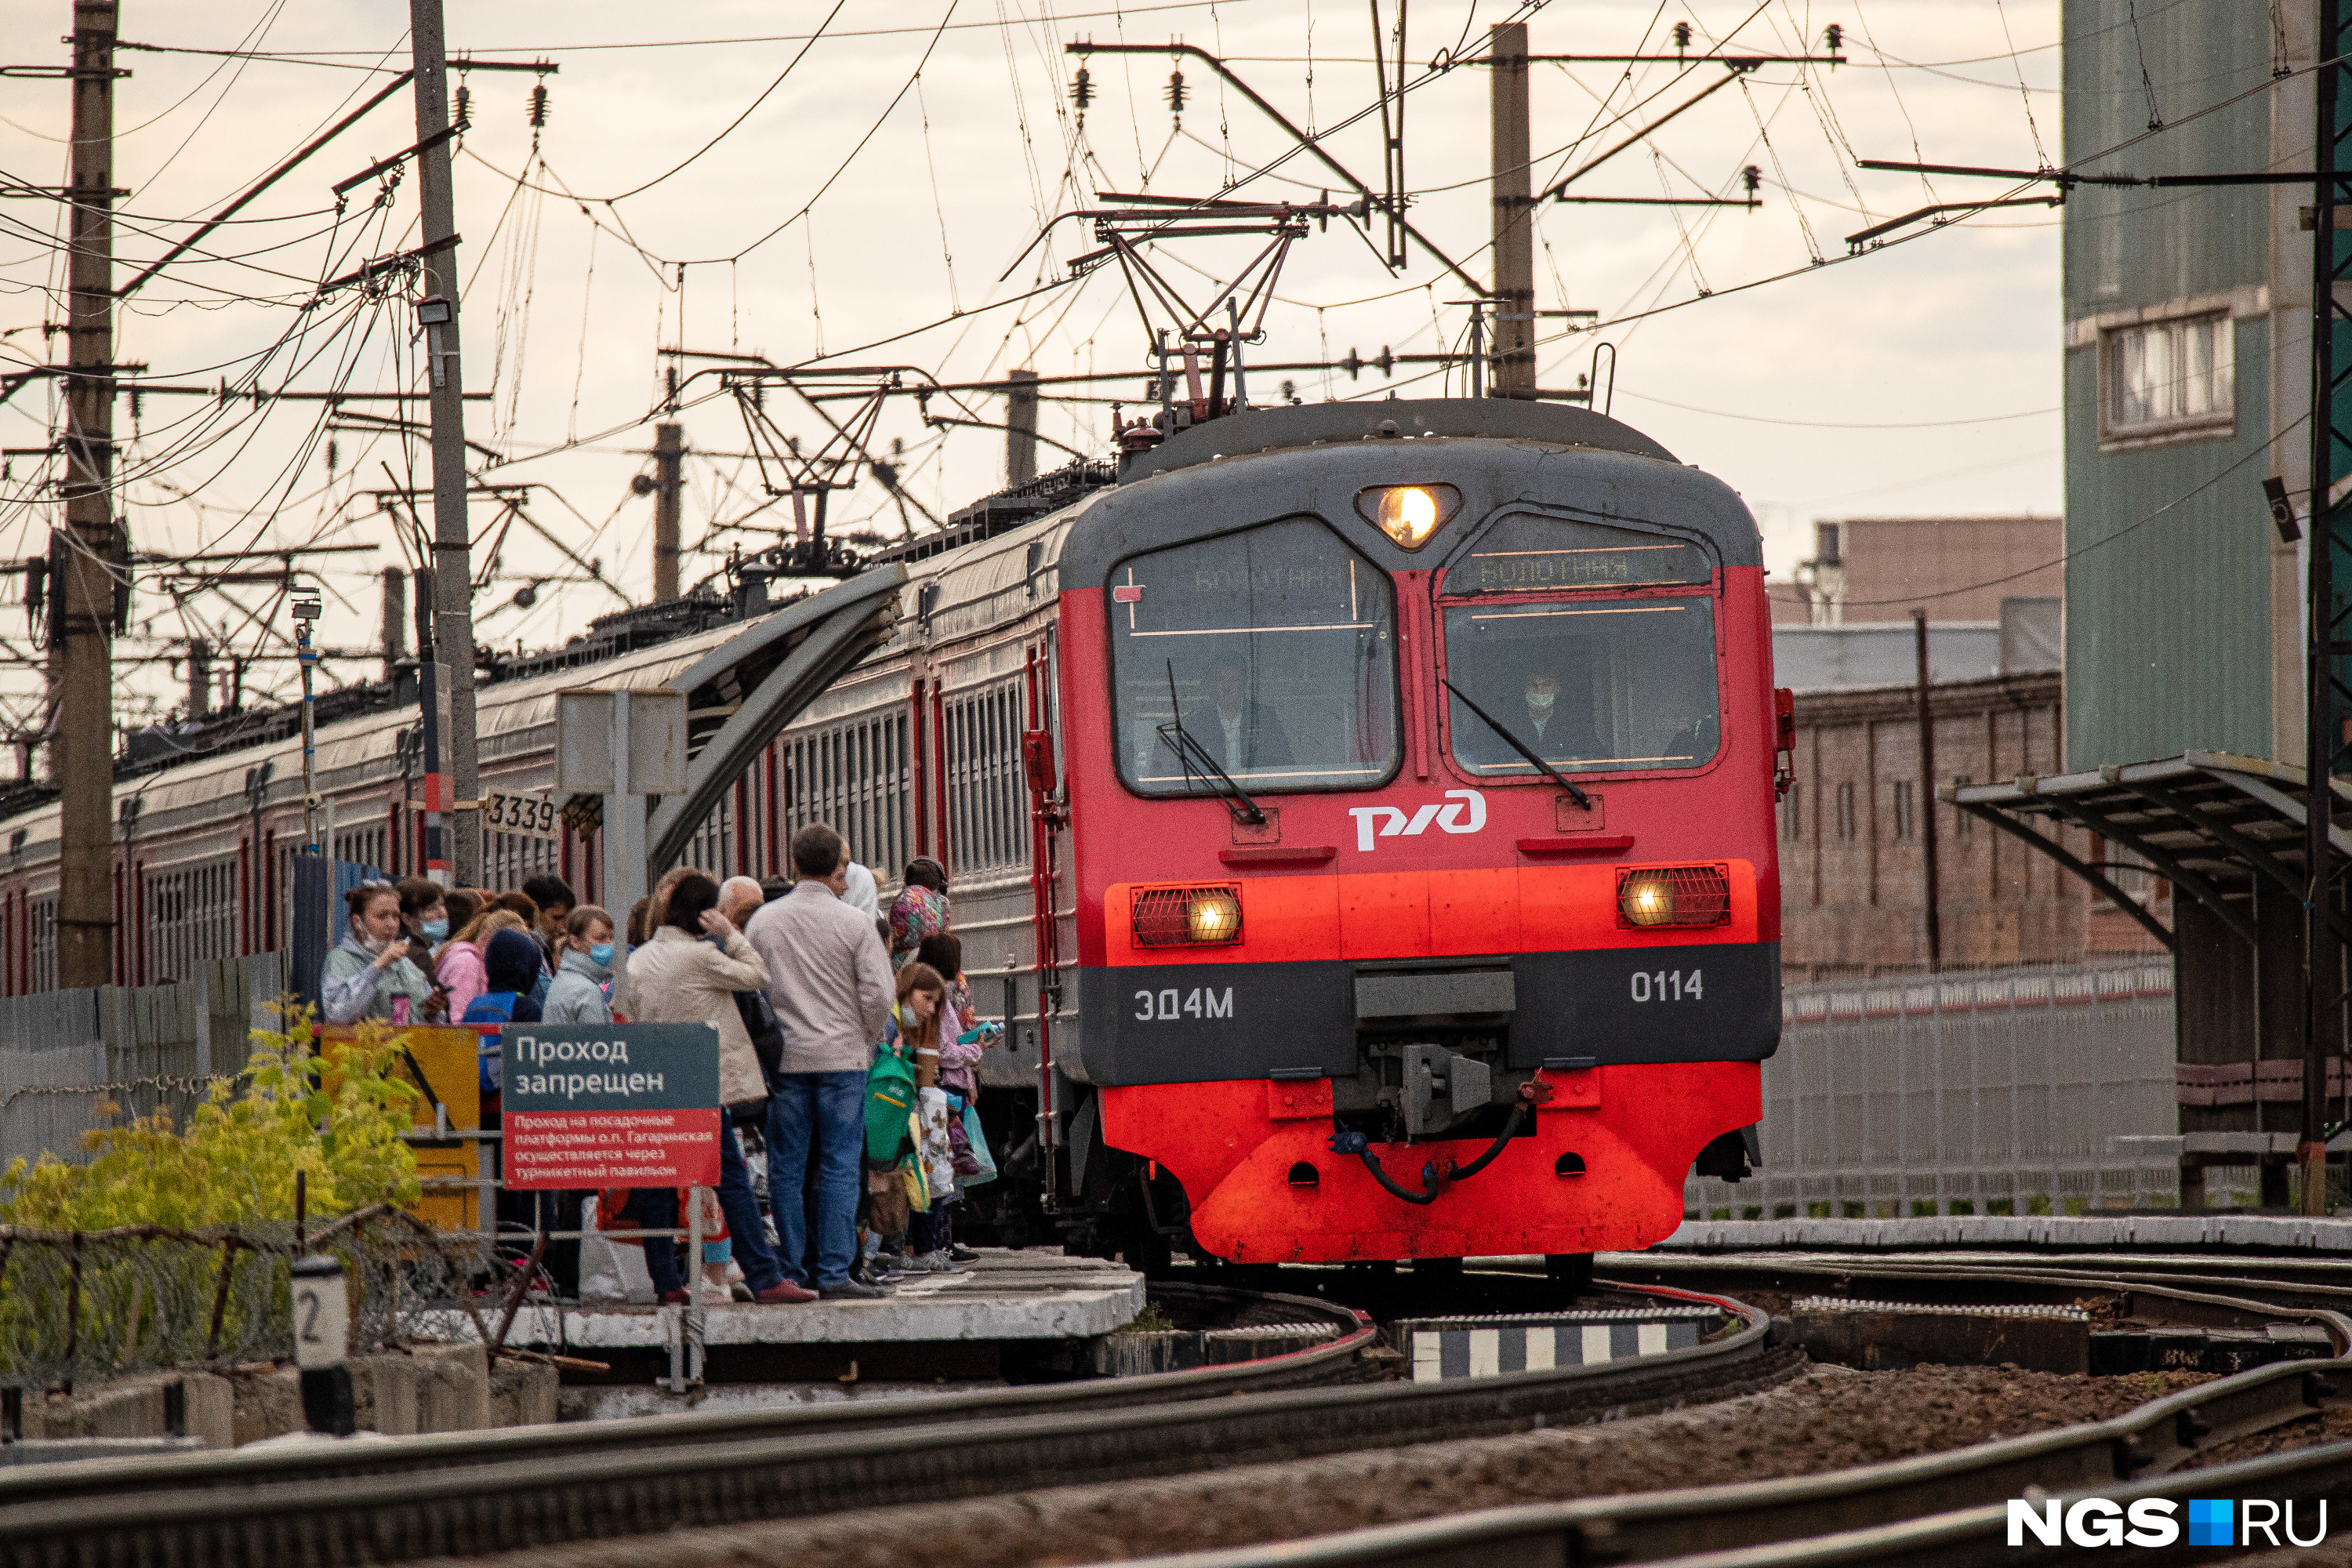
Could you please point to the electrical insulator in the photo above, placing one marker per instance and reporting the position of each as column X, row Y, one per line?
column 539, row 106
column 1754, row 177
column 1176, row 91
column 1082, row 90
column 1682, row 36
column 1835, row 35
column 331, row 455
column 465, row 106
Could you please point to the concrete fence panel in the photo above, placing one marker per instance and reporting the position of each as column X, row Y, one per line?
column 1995, row 1091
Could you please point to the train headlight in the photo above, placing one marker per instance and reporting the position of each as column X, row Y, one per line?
column 1409, row 514
column 1187, row 916
column 1213, row 918
column 1650, row 895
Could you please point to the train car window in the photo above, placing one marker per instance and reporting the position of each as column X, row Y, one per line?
column 1524, row 553
column 1586, row 684
column 1274, row 646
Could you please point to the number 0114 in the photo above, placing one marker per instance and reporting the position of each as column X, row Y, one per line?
column 1668, row 985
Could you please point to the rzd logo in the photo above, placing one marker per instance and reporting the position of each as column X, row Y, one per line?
column 1462, row 811
column 2151, row 1521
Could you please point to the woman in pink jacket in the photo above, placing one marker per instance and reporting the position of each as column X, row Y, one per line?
column 458, row 967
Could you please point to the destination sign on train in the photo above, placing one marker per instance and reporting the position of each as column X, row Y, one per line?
column 612, row 1105
column 1527, row 553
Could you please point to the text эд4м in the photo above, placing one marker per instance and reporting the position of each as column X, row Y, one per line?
column 2160, row 1521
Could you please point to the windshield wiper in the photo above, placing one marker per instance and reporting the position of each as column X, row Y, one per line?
column 1196, row 759
column 1583, row 800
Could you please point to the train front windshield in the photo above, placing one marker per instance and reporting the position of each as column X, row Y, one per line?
column 1621, row 682
column 1269, row 652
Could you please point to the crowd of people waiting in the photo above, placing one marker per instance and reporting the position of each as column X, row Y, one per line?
column 848, row 1048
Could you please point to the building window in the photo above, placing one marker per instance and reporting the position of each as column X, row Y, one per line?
column 1845, row 810
column 2167, row 379
column 1792, row 821
column 1906, row 811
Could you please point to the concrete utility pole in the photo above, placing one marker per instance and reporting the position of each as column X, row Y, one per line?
column 1021, row 428
column 458, row 789
column 669, row 453
column 200, row 679
column 82, row 598
column 1927, row 795
column 1514, row 249
column 396, row 622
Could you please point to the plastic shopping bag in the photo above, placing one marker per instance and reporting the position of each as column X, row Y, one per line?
column 978, row 1143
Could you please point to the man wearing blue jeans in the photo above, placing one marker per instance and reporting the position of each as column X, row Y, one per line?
column 830, row 982
column 655, row 1208
column 826, row 1110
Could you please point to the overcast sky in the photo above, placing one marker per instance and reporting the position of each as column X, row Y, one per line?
column 867, row 206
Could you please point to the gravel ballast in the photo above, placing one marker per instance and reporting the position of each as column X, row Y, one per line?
column 1829, row 1418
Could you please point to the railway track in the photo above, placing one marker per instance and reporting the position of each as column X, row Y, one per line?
column 533, row 1489
column 1949, row 1507
column 462, row 1494
column 1939, row 1510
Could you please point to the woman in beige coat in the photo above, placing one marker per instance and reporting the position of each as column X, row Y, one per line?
column 688, row 974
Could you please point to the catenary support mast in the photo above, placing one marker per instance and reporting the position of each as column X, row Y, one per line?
column 1514, row 293
column 83, row 606
column 457, row 789
column 669, row 453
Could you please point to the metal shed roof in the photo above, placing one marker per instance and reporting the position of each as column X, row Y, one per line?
column 2216, row 824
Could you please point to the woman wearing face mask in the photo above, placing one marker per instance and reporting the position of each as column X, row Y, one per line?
column 578, row 993
column 424, row 918
column 368, row 975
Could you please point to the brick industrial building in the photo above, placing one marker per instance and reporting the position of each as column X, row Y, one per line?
column 1853, row 851
column 1958, row 569
column 1853, row 861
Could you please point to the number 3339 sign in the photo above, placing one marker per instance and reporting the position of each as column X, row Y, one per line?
column 526, row 816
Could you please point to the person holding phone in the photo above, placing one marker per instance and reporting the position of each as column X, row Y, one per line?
column 369, row 974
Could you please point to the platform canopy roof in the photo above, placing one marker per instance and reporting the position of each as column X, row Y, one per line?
column 2216, row 824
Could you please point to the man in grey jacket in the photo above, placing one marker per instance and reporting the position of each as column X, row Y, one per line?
column 832, row 987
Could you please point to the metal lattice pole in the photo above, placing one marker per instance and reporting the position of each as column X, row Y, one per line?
column 2331, row 457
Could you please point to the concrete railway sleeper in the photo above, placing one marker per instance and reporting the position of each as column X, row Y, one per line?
column 196, row 1512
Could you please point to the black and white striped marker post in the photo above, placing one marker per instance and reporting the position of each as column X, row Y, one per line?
column 322, row 1334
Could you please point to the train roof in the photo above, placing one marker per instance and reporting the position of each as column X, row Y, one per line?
column 996, row 557
column 1312, row 424
column 506, row 713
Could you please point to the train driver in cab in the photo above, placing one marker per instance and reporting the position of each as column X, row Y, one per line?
column 1243, row 735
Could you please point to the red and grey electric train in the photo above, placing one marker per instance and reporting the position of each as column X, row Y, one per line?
column 1362, row 813
column 1420, row 769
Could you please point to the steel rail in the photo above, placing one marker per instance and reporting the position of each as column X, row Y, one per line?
column 1891, row 1512
column 1974, row 1536
column 2173, row 1275
column 1336, row 1361
column 470, row 1502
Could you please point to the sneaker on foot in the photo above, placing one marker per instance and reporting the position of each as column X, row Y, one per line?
column 939, row 1263
column 674, row 1297
column 851, row 1291
column 916, row 1263
column 784, row 1291
column 963, row 1254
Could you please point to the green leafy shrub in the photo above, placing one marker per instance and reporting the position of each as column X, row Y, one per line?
column 337, row 1121
column 113, row 1304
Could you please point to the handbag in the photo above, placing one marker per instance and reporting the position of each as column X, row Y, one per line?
column 983, row 1163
